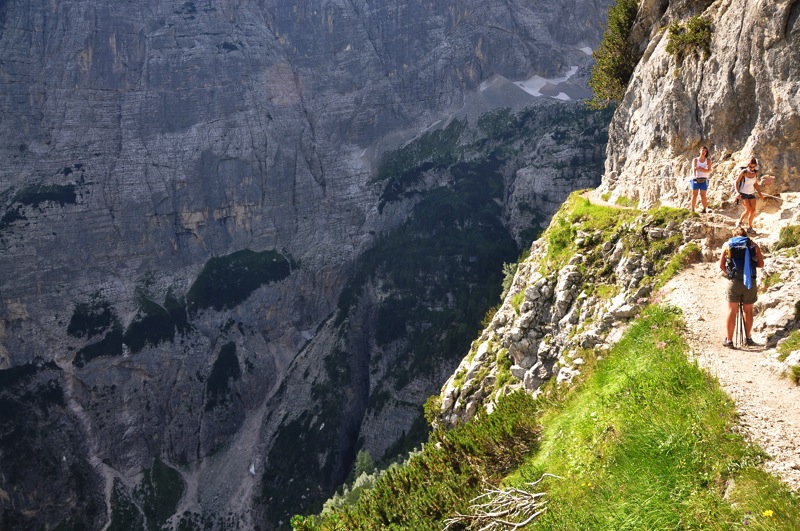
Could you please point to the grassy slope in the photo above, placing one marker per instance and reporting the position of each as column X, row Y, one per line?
column 646, row 441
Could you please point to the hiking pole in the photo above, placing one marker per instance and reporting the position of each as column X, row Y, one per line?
column 739, row 335
column 778, row 200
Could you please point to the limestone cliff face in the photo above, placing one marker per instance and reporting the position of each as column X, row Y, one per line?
column 741, row 101
column 188, row 189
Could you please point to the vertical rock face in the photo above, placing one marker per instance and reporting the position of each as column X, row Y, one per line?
column 189, row 187
column 740, row 101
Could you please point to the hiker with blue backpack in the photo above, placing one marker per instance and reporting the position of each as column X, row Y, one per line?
column 746, row 188
column 739, row 260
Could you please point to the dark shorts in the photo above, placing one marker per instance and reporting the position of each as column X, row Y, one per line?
column 748, row 196
column 738, row 292
column 699, row 185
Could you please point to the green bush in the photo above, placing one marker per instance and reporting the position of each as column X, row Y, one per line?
column 788, row 237
column 55, row 193
column 159, row 493
column 90, row 319
column 226, row 368
column 452, row 469
column 509, row 270
column 616, row 56
column 691, row 38
column 432, row 408
column 109, row 346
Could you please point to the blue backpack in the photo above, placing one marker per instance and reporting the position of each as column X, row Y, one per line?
column 742, row 260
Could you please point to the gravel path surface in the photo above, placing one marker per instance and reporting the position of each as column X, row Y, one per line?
column 767, row 401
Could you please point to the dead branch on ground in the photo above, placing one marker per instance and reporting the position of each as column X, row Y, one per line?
column 502, row 509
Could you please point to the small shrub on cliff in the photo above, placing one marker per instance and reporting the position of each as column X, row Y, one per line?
column 452, row 469
column 788, row 237
column 693, row 37
column 616, row 57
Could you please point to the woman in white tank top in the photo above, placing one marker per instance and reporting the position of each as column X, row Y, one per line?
column 701, row 169
column 746, row 189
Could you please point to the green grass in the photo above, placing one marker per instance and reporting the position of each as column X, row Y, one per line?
column 788, row 237
column 578, row 214
column 646, row 440
column 791, row 344
column 605, row 291
column 517, row 300
column 689, row 254
column 771, row 279
column 626, row 202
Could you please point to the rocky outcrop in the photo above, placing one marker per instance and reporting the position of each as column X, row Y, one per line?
column 740, row 101
column 552, row 318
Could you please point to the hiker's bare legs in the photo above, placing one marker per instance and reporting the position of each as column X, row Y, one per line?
column 749, row 212
column 694, row 198
column 748, row 319
column 703, row 199
column 733, row 309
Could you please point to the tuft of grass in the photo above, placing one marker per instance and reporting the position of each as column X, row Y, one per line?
column 771, row 279
column 788, row 237
column 605, row 291
column 789, row 345
column 504, row 363
column 626, row 202
column 689, row 254
column 516, row 301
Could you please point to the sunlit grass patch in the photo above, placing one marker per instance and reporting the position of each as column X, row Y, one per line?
column 646, row 442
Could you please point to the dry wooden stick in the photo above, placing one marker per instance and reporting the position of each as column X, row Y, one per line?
column 503, row 509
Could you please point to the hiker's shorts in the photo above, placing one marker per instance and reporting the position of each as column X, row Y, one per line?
column 748, row 196
column 703, row 185
column 738, row 292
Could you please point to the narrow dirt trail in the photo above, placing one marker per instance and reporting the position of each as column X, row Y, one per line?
column 765, row 399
